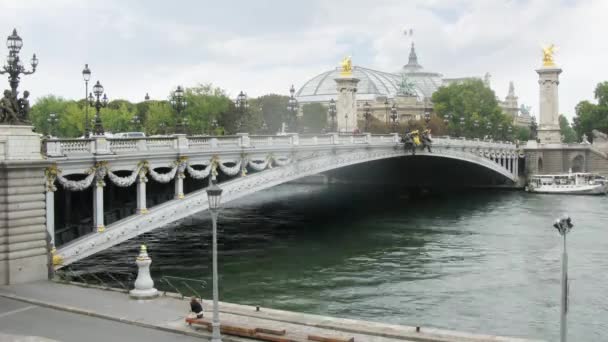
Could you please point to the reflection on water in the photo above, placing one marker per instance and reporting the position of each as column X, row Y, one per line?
column 484, row 262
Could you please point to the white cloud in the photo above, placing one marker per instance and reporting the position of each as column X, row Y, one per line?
column 144, row 47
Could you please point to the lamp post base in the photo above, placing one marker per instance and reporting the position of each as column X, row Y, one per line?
column 215, row 334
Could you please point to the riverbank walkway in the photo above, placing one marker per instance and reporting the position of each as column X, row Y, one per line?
column 167, row 313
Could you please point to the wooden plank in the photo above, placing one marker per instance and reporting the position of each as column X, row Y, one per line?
column 274, row 338
column 270, row 331
column 330, row 339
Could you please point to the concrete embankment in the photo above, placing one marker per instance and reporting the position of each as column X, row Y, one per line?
column 167, row 313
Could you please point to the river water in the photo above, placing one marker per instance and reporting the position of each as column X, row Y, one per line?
column 477, row 261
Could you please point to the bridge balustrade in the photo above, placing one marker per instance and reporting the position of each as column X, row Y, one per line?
column 197, row 157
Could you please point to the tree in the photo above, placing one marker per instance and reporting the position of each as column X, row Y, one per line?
column 46, row 105
column 205, row 104
column 473, row 101
column 522, row 133
column 160, row 118
column 314, row 117
column 436, row 125
column 274, row 108
column 568, row 133
column 590, row 116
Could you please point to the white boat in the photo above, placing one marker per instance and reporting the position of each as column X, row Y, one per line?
column 574, row 183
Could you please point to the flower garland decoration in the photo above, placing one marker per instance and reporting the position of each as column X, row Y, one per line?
column 76, row 185
column 199, row 174
column 230, row 170
column 282, row 161
column 124, row 182
column 259, row 164
column 50, row 174
column 163, row 177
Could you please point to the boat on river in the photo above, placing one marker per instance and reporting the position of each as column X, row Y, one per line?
column 573, row 183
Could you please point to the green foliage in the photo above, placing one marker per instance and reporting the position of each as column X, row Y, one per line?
column 591, row 116
column 205, row 104
column 39, row 113
column 160, row 118
column 474, row 102
column 274, row 109
column 568, row 133
column 522, row 133
column 117, row 117
column 314, row 117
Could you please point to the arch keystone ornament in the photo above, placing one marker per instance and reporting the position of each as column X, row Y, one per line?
column 144, row 285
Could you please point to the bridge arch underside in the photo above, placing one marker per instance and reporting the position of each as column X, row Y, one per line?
column 425, row 171
column 390, row 165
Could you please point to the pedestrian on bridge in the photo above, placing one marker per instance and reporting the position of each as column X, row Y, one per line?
column 196, row 307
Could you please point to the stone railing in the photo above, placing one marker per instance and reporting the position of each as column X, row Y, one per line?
column 56, row 148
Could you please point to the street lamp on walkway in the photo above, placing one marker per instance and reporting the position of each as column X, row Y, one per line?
column 394, row 116
column 563, row 226
column 179, row 103
column 86, row 75
column 214, row 195
column 98, row 104
column 332, row 114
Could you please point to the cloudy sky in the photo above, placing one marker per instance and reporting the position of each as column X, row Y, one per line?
column 264, row 46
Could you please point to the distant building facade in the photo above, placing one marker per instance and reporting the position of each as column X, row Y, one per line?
column 410, row 88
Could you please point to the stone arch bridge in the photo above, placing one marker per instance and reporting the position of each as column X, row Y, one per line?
column 244, row 165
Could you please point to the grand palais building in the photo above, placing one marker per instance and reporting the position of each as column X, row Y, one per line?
column 410, row 89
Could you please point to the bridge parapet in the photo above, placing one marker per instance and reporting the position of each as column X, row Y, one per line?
column 61, row 148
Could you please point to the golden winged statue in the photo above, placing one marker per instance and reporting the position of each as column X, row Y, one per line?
column 347, row 66
column 548, row 52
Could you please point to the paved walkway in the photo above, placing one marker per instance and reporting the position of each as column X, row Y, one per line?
column 167, row 313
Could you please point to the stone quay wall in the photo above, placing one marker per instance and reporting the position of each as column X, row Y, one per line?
column 560, row 158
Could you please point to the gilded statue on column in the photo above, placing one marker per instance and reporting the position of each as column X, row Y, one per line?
column 548, row 52
column 347, row 66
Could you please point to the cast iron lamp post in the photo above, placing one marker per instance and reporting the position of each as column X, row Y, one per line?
column 86, row 76
column 214, row 126
column 427, row 119
column 462, row 126
column 53, row 120
column 386, row 108
column 214, row 194
column 367, row 114
column 136, row 122
column 98, row 104
column 179, row 103
column 14, row 67
column 394, row 116
column 446, row 120
column 489, row 129
column 332, row 114
column 563, row 226
column 475, row 126
column 242, row 105
column 292, row 108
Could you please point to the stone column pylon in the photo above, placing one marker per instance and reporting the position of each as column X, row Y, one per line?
column 548, row 128
column 141, row 193
column 346, row 105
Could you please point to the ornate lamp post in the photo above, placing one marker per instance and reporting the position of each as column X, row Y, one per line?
column 86, row 76
column 14, row 67
column 292, row 109
column 563, row 226
column 147, row 97
column 214, row 195
column 179, row 103
column 367, row 114
column 446, row 120
column 386, row 108
column 475, row 126
column 53, row 120
column 500, row 131
column 98, row 104
column 427, row 119
column 509, row 132
column 462, row 126
column 332, row 114
column 186, row 126
column 394, row 117
column 136, row 122
column 163, row 127
column 242, row 105
column 489, row 129
column 214, row 126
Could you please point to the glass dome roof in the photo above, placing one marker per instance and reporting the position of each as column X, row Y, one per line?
column 372, row 83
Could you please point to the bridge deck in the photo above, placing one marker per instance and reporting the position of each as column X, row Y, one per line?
column 167, row 313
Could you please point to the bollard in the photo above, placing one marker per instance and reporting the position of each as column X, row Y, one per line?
column 144, row 285
column 257, row 308
column 417, row 329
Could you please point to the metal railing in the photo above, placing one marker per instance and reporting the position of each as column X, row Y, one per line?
column 185, row 287
column 106, row 280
